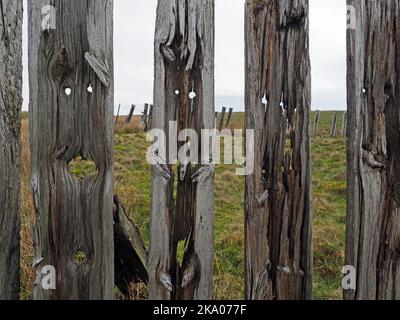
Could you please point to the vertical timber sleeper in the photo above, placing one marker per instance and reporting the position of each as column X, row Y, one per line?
column 10, row 146
column 74, row 218
column 373, row 150
column 183, row 92
column 278, row 214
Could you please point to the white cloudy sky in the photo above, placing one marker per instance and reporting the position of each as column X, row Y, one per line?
column 133, row 39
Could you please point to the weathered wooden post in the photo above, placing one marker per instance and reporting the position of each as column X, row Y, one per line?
column 143, row 121
column 129, row 118
column 316, row 123
column 149, row 123
column 184, row 64
column 117, row 117
column 373, row 223
column 74, row 218
column 278, row 214
column 334, row 124
column 228, row 121
column 10, row 146
column 221, row 121
column 344, row 124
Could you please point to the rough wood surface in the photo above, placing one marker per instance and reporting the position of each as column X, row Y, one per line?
column 228, row 121
column 344, row 124
column 10, row 147
column 278, row 214
column 373, row 217
column 131, row 112
column 316, row 123
column 74, row 218
column 184, row 63
column 222, row 119
column 334, row 124
column 130, row 252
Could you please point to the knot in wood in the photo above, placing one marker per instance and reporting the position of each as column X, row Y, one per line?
column 295, row 17
column 61, row 67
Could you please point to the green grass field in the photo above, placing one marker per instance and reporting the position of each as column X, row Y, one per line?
column 133, row 185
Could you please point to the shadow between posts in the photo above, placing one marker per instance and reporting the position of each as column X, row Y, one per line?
column 130, row 252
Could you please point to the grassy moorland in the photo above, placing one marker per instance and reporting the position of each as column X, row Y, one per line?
column 132, row 184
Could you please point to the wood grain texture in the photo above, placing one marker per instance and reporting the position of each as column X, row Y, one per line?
column 278, row 215
column 373, row 130
column 184, row 61
column 10, row 146
column 74, row 218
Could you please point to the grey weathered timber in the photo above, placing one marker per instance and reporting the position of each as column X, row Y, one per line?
column 145, row 112
column 131, row 112
column 10, row 146
column 150, row 118
column 116, row 119
column 221, row 120
column 184, row 64
column 278, row 215
column 74, row 218
column 373, row 214
column 344, row 124
column 334, row 124
column 316, row 123
column 228, row 121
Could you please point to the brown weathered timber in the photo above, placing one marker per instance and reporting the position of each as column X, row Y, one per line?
column 10, row 147
column 184, row 64
column 74, row 218
column 130, row 252
column 373, row 216
column 278, row 213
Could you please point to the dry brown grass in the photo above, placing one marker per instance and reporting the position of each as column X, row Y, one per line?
column 27, row 219
column 134, row 126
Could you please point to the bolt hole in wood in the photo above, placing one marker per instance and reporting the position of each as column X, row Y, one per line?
column 177, row 92
column 192, row 95
column 82, row 169
column 80, row 257
column 90, row 88
column 68, row 91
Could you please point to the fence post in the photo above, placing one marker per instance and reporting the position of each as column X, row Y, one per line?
column 221, row 121
column 344, row 124
column 189, row 218
column 316, row 123
column 278, row 215
column 116, row 119
column 334, row 124
column 372, row 236
column 10, row 146
column 149, row 124
column 129, row 119
column 144, row 116
column 74, row 218
column 228, row 121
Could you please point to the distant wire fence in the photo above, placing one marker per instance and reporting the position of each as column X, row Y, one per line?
column 144, row 120
column 338, row 127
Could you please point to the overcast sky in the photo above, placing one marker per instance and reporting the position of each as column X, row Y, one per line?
column 133, row 53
